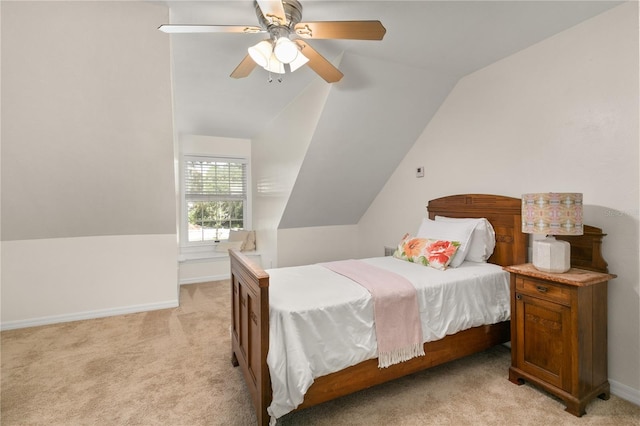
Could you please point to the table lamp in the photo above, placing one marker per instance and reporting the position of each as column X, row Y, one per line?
column 552, row 214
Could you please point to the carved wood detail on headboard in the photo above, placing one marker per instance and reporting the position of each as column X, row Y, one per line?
column 586, row 249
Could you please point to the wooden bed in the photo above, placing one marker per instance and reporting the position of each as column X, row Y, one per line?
column 250, row 313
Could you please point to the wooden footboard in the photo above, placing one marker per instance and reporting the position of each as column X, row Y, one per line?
column 250, row 329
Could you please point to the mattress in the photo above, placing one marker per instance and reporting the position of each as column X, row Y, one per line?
column 322, row 322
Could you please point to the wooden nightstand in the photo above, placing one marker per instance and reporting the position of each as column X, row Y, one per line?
column 559, row 333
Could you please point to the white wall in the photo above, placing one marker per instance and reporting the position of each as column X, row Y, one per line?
column 302, row 246
column 210, row 268
column 54, row 280
column 87, row 143
column 277, row 154
column 559, row 116
column 215, row 145
column 88, row 194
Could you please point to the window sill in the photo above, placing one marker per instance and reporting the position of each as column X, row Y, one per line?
column 210, row 256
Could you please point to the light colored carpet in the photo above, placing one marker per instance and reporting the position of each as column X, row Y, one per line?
column 172, row 367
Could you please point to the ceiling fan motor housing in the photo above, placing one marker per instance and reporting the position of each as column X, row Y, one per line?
column 292, row 11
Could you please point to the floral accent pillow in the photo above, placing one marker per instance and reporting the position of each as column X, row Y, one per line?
column 429, row 252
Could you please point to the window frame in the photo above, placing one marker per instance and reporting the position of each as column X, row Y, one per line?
column 186, row 246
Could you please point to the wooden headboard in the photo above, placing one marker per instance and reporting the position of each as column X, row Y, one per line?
column 586, row 249
column 504, row 213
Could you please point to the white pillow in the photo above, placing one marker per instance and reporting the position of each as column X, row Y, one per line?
column 248, row 239
column 449, row 231
column 224, row 246
column 483, row 239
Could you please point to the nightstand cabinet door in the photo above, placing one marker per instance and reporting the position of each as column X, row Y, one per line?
column 544, row 340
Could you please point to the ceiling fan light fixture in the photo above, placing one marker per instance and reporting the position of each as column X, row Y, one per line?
column 285, row 50
column 274, row 65
column 261, row 53
column 299, row 61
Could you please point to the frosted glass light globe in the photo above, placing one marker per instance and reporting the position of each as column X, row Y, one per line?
column 285, row 50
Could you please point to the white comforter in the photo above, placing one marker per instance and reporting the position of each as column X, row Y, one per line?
column 322, row 322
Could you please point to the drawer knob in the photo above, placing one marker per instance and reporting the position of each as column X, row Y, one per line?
column 519, row 296
column 542, row 289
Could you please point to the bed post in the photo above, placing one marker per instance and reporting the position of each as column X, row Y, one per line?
column 250, row 329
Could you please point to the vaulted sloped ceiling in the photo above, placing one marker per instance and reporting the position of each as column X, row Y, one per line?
column 390, row 91
column 367, row 126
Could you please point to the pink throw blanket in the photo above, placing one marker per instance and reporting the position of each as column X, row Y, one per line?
column 395, row 306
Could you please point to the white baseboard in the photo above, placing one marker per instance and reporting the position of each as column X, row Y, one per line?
column 54, row 319
column 625, row 392
column 196, row 280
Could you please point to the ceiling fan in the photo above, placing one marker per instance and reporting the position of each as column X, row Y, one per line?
column 286, row 45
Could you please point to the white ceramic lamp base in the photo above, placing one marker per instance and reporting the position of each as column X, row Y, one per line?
column 551, row 255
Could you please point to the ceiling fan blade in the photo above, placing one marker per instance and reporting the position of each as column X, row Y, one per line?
column 353, row 30
column 244, row 68
column 319, row 64
column 195, row 28
column 273, row 9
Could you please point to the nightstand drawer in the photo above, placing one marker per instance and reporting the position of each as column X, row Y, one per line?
column 544, row 290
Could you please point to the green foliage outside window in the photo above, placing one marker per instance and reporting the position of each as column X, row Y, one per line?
column 213, row 220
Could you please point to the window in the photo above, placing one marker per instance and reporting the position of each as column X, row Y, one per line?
column 215, row 198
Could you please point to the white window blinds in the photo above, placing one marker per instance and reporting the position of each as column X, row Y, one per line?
column 208, row 179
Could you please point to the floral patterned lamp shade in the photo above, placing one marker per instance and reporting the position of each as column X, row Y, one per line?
column 552, row 214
